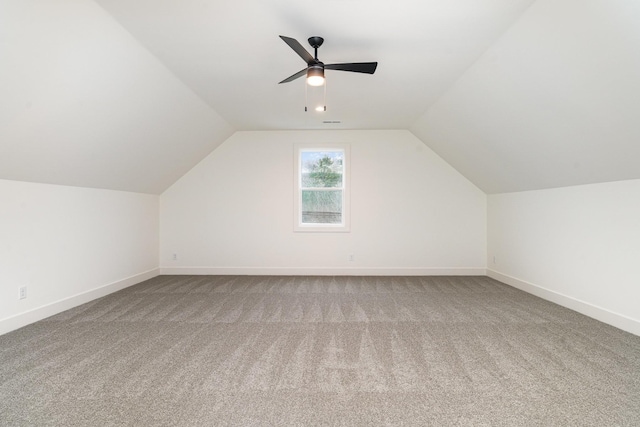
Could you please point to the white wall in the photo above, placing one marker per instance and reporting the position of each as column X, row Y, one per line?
column 411, row 213
column 578, row 246
column 69, row 245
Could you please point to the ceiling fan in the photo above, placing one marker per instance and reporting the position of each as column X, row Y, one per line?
column 315, row 68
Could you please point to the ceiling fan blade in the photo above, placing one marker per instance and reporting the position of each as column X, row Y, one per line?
column 295, row 76
column 356, row 67
column 297, row 47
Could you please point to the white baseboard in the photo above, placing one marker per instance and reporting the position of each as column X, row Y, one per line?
column 602, row 314
column 19, row 320
column 322, row 271
column 619, row 321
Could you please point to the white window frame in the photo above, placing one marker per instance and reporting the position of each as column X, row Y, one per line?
column 298, row 225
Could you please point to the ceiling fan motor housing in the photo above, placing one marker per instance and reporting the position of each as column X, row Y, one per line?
column 315, row 68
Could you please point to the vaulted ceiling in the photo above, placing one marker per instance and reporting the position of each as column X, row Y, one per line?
column 129, row 95
column 229, row 53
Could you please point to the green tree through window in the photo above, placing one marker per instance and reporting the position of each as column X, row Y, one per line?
column 326, row 172
column 321, row 187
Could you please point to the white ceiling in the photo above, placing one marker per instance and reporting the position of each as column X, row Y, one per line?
column 229, row 53
column 554, row 102
column 83, row 104
column 129, row 95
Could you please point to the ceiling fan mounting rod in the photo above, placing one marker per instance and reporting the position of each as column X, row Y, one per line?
column 316, row 42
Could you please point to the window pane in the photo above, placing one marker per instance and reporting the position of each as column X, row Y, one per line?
column 321, row 207
column 322, row 169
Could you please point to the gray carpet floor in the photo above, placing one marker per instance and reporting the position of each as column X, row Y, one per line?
column 331, row 351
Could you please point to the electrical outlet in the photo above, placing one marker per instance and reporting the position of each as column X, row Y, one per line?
column 174, row 257
column 494, row 259
column 23, row 292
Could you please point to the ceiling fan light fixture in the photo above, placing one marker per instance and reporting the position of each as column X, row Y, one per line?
column 315, row 75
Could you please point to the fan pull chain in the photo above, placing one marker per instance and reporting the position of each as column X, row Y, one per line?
column 324, row 100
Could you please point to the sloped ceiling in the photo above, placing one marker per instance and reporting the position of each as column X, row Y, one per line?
column 129, row 95
column 554, row 102
column 83, row 104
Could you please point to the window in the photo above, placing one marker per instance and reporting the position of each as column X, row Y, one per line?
column 321, row 196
